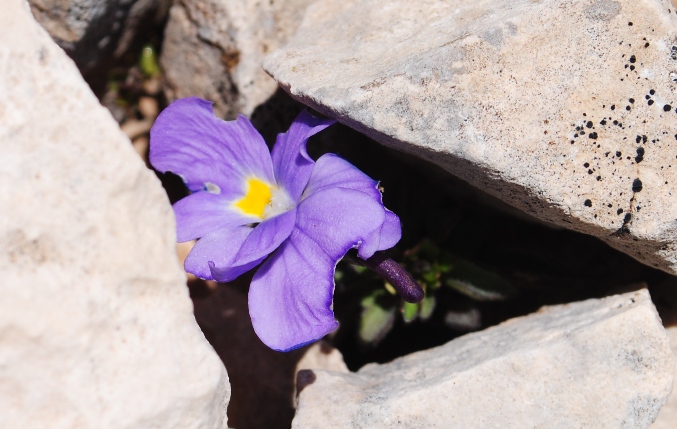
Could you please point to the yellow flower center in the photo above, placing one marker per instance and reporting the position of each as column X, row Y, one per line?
column 258, row 196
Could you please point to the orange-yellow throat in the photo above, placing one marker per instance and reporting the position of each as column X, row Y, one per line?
column 258, row 196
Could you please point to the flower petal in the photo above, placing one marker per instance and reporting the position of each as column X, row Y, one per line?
column 291, row 162
column 331, row 172
column 262, row 240
column 225, row 254
column 215, row 248
column 203, row 212
column 291, row 294
column 188, row 140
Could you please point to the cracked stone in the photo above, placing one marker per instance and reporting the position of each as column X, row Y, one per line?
column 513, row 97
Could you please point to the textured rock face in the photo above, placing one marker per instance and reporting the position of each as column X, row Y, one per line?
column 97, row 329
column 213, row 49
column 92, row 30
column 599, row 363
column 667, row 419
column 566, row 110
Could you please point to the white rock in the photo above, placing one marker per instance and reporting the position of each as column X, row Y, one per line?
column 598, row 364
column 496, row 93
column 96, row 326
column 214, row 48
column 667, row 418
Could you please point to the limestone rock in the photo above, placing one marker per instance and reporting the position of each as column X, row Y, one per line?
column 667, row 418
column 566, row 110
column 599, row 363
column 97, row 326
column 214, row 48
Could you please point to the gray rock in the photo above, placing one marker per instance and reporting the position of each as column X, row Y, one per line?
column 97, row 327
column 214, row 48
column 601, row 363
column 93, row 31
column 567, row 111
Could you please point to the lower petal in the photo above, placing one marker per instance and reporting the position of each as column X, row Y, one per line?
column 290, row 296
column 225, row 254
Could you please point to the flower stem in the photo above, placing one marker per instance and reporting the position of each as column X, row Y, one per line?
column 393, row 272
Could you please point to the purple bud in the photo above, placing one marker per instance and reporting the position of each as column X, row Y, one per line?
column 397, row 276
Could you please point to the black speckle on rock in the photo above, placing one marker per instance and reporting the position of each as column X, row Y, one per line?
column 638, row 139
column 599, row 178
column 593, row 135
column 632, row 68
column 631, row 100
column 640, row 155
column 667, row 108
column 627, row 218
column 619, row 211
column 589, row 124
column 618, row 153
column 589, row 171
column 644, row 139
column 627, row 108
column 652, row 92
column 602, row 122
column 630, row 24
column 587, row 203
column 650, row 102
column 586, row 165
column 636, row 185
column 613, row 107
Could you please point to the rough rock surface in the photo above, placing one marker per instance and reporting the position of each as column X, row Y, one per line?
column 97, row 329
column 601, row 363
column 214, row 48
column 564, row 109
column 667, row 418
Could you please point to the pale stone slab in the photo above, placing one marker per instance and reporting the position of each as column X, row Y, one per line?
column 601, row 363
column 96, row 326
column 214, row 48
column 667, row 418
column 564, row 109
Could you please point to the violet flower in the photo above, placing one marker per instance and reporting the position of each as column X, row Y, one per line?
column 248, row 205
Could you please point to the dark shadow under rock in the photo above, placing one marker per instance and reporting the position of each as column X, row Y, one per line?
column 262, row 380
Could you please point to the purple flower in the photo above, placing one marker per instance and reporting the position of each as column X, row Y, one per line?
column 248, row 204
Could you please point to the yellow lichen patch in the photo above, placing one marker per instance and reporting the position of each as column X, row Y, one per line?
column 256, row 199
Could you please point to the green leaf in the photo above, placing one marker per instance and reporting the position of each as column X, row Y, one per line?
column 427, row 307
column 378, row 316
column 409, row 312
column 477, row 283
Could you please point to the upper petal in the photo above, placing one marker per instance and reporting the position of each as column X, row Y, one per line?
column 225, row 254
column 188, row 140
column 291, row 162
column 332, row 172
column 290, row 296
column 203, row 212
